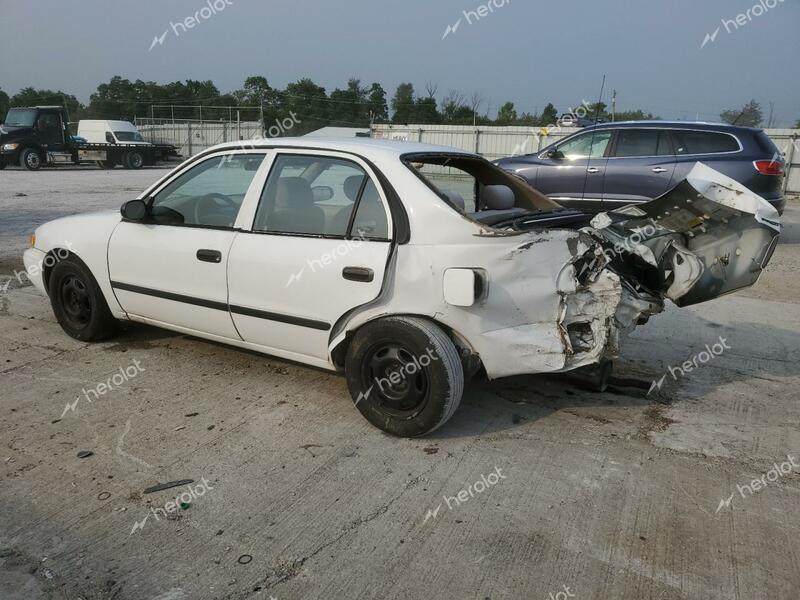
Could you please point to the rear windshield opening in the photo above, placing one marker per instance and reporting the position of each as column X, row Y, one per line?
column 476, row 187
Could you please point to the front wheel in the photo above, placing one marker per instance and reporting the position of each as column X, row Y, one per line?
column 404, row 375
column 78, row 303
column 30, row 159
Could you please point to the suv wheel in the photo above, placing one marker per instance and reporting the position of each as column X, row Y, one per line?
column 404, row 375
column 30, row 159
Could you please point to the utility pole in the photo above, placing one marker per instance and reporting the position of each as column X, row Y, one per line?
column 614, row 106
column 771, row 112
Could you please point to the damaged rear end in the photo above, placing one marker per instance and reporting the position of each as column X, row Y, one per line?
column 707, row 237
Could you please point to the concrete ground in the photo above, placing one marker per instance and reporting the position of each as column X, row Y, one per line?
column 583, row 495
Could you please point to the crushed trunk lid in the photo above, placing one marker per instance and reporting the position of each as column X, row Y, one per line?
column 706, row 237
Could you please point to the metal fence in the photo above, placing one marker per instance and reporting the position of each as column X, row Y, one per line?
column 193, row 137
column 498, row 142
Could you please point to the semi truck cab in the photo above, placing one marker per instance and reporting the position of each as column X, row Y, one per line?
column 36, row 136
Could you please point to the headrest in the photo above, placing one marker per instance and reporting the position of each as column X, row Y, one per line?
column 456, row 199
column 351, row 186
column 294, row 192
column 497, row 197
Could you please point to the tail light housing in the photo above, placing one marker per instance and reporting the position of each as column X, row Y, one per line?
column 769, row 167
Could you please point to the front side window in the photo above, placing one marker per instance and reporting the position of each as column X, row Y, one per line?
column 587, row 145
column 703, row 142
column 316, row 195
column 642, row 142
column 209, row 194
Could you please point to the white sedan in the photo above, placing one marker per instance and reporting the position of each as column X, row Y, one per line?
column 408, row 267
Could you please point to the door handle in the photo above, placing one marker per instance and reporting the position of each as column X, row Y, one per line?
column 361, row 274
column 212, row 256
column 659, row 170
column 592, row 170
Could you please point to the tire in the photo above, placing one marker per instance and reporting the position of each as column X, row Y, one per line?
column 30, row 159
column 134, row 159
column 78, row 303
column 106, row 164
column 405, row 375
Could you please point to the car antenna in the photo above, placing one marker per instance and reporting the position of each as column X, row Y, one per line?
column 591, row 145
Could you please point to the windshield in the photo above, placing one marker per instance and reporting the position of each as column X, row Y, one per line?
column 477, row 188
column 20, row 117
column 129, row 136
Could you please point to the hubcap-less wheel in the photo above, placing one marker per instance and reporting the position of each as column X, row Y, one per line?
column 399, row 383
column 135, row 160
column 76, row 301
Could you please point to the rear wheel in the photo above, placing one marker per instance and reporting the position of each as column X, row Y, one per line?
column 134, row 160
column 78, row 302
column 30, row 159
column 404, row 375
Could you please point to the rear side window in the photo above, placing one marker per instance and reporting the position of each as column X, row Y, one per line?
column 316, row 195
column 642, row 142
column 703, row 142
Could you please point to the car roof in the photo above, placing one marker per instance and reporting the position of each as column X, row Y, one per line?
column 366, row 147
column 702, row 125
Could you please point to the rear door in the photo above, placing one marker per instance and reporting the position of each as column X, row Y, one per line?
column 574, row 177
column 318, row 248
column 639, row 168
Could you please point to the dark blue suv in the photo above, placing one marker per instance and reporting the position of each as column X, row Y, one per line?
column 607, row 166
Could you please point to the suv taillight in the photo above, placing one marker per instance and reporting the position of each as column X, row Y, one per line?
column 769, row 167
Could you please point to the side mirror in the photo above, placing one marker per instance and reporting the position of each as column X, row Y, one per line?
column 555, row 154
column 134, row 210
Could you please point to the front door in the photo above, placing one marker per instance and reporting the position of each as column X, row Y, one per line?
column 172, row 268
column 574, row 176
column 318, row 248
column 50, row 130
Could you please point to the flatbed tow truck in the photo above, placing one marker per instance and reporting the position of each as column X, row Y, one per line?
column 39, row 136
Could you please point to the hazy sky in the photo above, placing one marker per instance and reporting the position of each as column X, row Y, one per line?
column 527, row 51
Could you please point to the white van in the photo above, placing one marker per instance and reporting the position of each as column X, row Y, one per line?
column 110, row 132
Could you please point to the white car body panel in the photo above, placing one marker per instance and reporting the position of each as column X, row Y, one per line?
column 94, row 131
column 521, row 325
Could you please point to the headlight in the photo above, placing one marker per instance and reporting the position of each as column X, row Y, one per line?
column 10, row 146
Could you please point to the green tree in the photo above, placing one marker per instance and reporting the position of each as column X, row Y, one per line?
column 634, row 115
column 309, row 103
column 426, row 111
column 507, row 115
column 549, row 115
column 403, row 103
column 378, row 108
column 749, row 115
column 349, row 107
column 29, row 96
column 4, row 104
column 797, row 125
